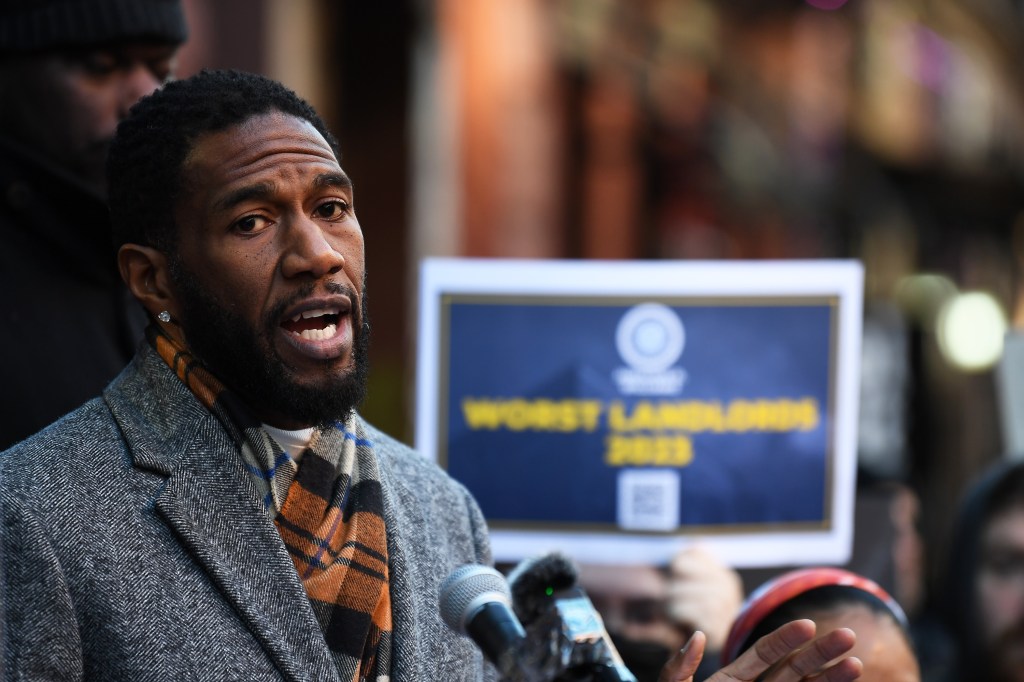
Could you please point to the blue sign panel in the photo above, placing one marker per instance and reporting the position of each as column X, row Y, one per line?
column 655, row 414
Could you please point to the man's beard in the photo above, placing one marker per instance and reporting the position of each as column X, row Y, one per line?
column 244, row 359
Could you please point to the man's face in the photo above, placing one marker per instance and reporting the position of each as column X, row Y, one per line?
column 1000, row 591
column 67, row 105
column 632, row 601
column 269, row 270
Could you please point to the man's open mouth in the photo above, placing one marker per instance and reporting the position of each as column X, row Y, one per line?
column 314, row 325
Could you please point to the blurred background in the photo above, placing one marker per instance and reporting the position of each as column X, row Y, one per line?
column 890, row 131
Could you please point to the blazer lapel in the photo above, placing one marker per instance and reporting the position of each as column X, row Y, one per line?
column 230, row 535
column 212, row 506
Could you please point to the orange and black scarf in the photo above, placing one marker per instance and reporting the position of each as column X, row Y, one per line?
column 329, row 513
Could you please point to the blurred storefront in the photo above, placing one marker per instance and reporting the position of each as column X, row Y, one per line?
column 885, row 130
column 891, row 131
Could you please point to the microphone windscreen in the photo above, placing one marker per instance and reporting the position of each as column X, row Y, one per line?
column 535, row 580
column 467, row 590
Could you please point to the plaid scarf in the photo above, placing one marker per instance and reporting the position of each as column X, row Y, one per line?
column 328, row 509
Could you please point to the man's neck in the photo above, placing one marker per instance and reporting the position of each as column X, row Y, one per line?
column 294, row 441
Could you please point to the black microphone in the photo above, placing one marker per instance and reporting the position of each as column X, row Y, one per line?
column 475, row 601
column 546, row 597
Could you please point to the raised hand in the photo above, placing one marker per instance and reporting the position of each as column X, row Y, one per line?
column 792, row 653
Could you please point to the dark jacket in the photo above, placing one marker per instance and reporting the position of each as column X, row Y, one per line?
column 135, row 547
column 67, row 323
column 958, row 603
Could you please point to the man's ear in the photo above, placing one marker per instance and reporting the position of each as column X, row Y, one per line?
column 146, row 271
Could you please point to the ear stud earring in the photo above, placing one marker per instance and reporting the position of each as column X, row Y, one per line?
column 164, row 316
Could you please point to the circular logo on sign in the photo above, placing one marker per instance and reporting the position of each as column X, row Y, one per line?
column 650, row 338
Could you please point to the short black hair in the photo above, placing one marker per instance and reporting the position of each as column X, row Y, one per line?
column 146, row 157
column 1007, row 493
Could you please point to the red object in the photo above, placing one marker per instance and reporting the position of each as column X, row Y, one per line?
column 772, row 594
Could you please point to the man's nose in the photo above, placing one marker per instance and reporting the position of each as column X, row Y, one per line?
column 309, row 251
column 137, row 81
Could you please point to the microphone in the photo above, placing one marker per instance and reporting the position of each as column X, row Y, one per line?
column 475, row 601
column 546, row 597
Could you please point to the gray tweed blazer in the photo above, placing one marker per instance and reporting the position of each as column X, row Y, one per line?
column 134, row 548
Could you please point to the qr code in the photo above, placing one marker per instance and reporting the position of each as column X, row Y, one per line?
column 648, row 500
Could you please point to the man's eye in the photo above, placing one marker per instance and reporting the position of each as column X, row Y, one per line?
column 645, row 611
column 1003, row 564
column 98, row 63
column 331, row 210
column 162, row 69
column 251, row 223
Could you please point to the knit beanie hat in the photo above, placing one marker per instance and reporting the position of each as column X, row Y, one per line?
column 46, row 24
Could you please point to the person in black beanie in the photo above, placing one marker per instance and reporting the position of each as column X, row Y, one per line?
column 69, row 72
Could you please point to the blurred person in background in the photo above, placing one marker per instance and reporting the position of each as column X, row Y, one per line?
column 69, row 72
column 651, row 611
column 832, row 598
column 984, row 593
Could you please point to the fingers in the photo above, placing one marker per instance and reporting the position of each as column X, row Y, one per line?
column 796, row 655
column 808, row 663
column 844, row 671
column 771, row 649
column 682, row 666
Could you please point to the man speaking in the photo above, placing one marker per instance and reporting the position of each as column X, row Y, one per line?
column 222, row 512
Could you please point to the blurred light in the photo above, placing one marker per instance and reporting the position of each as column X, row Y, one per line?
column 932, row 59
column 921, row 296
column 826, row 4
column 971, row 328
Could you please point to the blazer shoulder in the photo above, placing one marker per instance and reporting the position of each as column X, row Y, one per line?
column 73, row 448
column 421, row 483
column 407, row 463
